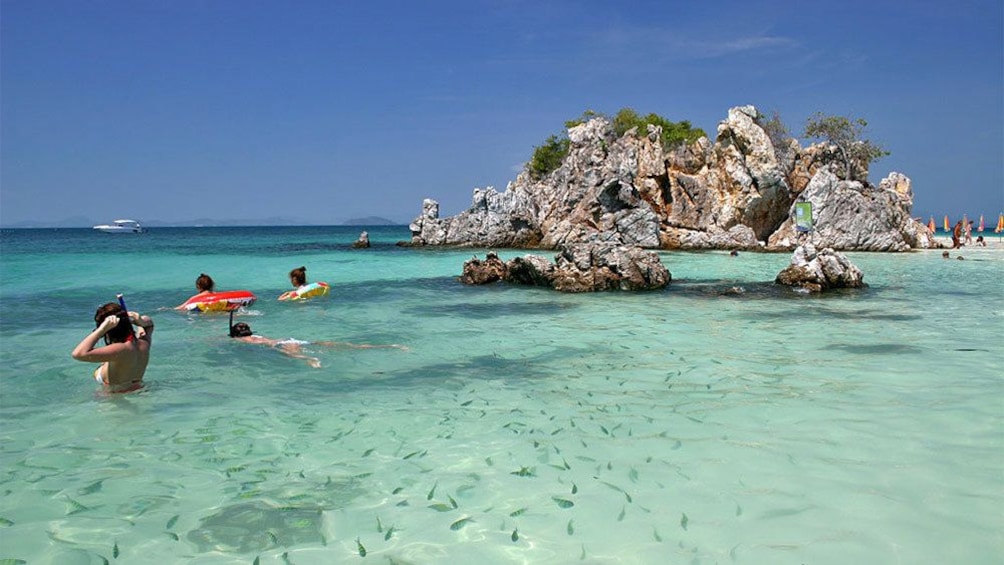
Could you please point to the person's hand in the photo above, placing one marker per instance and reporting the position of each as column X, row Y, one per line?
column 108, row 323
column 134, row 317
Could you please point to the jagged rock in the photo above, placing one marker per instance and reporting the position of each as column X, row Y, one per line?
column 736, row 193
column 476, row 271
column 532, row 270
column 852, row 215
column 818, row 271
column 363, row 241
column 586, row 267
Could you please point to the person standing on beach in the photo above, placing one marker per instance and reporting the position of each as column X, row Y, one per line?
column 969, row 233
column 126, row 353
column 957, row 235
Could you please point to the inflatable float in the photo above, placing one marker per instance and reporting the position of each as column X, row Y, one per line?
column 219, row 301
column 307, row 291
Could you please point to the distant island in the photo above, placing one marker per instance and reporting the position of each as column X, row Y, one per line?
column 83, row 222
column 371, row 221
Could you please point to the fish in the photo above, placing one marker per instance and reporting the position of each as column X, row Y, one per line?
column 620, row 517
column 570, row 528
column 390, row 533
column 379, row 526
column 257, row 560
column 115, row 550
column 412, row 454
column 684, row 521
column 5, row 522
column 461, row 523
column 575, row 488
column 452, row 502
column 655, row 534
column 397, row 490
column 516, row 513
column 466, row 403
column 368, row 452
column 272, row 537
column 739, row 510
column 440, row 507
column 172, row 522
column 633, row 475
column 562, row 502
column 91, row 488
column 360, row 548
column 173, row 536
column 515, row 535
column 433, row 491
column 524, row 472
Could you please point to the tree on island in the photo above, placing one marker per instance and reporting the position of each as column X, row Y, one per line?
column 847, row 135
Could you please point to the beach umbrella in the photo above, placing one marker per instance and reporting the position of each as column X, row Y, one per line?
column 947, row 227
column 931, row 226
column 980, row 229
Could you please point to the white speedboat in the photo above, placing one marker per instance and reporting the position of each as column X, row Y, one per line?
column 121, row 226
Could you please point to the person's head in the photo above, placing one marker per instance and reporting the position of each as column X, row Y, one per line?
column 945, row 255
column 298, row 276
column 240, row 329
column 205, row 283
column 119, row 333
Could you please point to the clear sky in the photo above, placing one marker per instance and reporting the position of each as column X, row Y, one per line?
column 322, row 111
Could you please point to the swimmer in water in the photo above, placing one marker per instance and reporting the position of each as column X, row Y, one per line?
column 204, row 284
column 125, row 354
column 294, row 347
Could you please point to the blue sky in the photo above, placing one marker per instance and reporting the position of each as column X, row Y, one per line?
column 324, row 111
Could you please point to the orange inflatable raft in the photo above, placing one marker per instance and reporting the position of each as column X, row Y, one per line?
column 220, row 301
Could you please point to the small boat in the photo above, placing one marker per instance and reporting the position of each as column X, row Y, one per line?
column 1000, row 224
column 931, row 226
column 946, row 225
column 980, row 228
column 120, row 226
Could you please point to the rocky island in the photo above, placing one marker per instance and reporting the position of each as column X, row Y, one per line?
column 736, row 193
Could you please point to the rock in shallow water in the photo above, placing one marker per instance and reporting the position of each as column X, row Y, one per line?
column 816, row 271
column 587, row 267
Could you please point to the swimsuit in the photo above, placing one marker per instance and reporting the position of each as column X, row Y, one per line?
column 292, row 341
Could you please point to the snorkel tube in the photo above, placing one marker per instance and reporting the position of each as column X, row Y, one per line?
column 126, row 311
column 231, row 324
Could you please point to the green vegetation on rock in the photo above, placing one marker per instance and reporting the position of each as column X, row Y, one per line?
column 547, row 157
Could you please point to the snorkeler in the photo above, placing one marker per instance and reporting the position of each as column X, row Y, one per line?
column 294, row 347
column 125, row 355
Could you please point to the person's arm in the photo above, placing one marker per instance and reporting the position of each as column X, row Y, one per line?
column 84, row 351
column 144, row 322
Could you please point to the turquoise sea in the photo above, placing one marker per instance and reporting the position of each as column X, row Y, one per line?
column 721, row 420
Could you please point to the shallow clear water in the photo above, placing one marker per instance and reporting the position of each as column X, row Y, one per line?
column 723, row 420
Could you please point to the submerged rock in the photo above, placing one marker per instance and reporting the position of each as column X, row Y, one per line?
column 819, row 271
column 577, row 268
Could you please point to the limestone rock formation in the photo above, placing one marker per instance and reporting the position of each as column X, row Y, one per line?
column 816, row 271
column 586, row 267
column 735, row 193
column 853, row 215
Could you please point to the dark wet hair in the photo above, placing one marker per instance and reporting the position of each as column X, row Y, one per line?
column 240, row 329
column 298, row 276
column 121, row 332
column 205, row 282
